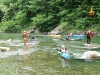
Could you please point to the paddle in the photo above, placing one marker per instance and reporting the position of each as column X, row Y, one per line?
column 60, row 51
column 57, row 49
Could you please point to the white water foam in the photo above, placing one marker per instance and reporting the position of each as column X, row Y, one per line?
column 27, row 49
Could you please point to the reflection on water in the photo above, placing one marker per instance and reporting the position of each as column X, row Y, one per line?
column 26, row 54
column 43, row 61
column 16, row 47
column 64, row 62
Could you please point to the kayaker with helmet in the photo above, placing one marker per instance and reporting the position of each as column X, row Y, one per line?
column 63, row 49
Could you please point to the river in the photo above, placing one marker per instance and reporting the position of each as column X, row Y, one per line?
column 39, row 57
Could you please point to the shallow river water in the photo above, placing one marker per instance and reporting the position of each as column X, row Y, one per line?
column 39, row 57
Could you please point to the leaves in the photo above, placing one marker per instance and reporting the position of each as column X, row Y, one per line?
column 45, row 15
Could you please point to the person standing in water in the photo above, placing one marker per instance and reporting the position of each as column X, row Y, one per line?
column 89, row 35
column 24, row 37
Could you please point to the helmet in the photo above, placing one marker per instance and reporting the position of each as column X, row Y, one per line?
column 24, row 31
column 63, row 46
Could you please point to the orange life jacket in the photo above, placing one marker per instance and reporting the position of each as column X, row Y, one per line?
column 24, row 35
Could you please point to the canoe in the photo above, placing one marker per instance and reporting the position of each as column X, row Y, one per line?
column 4, row 48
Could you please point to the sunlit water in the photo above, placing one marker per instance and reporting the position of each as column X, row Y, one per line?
column 39, row 57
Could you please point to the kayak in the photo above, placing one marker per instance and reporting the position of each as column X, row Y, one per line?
column 77, row 36
column 55, row 36
column 4, row 48
column 65, row 55
column 74, row 37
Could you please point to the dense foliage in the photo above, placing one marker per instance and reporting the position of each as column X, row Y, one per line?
column 45, row 15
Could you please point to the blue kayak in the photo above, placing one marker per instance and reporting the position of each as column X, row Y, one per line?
column 74, row 37
column 65, row 55
column 77, row 37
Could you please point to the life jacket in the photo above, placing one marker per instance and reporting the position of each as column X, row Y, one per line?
column 24, row 35
column 89, row 34
column 63, row 50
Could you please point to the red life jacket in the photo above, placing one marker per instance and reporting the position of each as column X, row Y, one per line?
column 89, row 34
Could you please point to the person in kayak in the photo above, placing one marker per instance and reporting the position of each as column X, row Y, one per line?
column 24, row 37
column 63, row 49
column 89, row 35
column 68, row 37
column 64, row 52
column 33, row 38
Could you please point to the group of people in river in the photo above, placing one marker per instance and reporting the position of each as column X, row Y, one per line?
column 63, row 49
column 88, row 54
column 88, row 34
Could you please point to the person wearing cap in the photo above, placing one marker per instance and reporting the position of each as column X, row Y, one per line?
column 63, row 49
column 24, row 37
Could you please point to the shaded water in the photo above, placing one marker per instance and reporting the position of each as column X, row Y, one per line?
column 39, row 57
